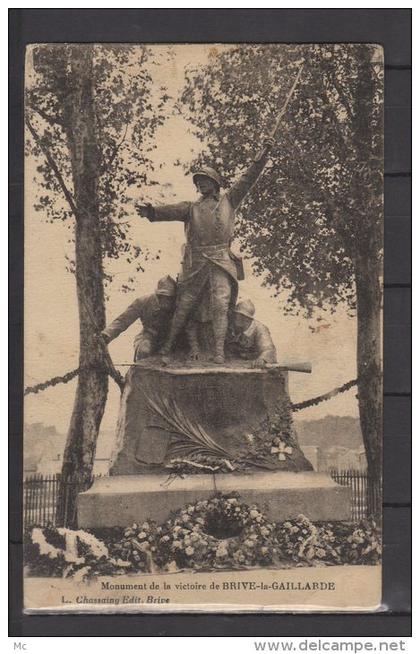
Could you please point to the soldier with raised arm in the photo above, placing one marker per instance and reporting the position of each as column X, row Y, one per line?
column 210, row 271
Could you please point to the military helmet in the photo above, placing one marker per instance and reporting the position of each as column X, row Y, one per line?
column 246, row 308
column 206, row 171
column 166, row 286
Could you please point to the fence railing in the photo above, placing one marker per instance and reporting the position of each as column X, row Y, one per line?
column 41, row 493
column 365, row 497
column 40, row 497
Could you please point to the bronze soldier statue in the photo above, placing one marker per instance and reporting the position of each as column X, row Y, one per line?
column 154, row 312
column 210, row 271
column 249, row 339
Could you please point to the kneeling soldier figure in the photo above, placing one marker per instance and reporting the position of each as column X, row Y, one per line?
column 248, row 338
column 154, row 312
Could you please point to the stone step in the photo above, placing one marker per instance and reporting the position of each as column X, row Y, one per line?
column 124, row 499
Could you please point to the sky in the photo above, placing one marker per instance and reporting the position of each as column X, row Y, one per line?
column 51, row 320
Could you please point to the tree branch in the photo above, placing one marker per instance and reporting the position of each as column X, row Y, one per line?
column 341, row 94
column 53, row 167
column 49, row 119
column 117, row 146
column 143, row 56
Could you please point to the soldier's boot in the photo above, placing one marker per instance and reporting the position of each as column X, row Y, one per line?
column 178, row 321
column 192, row 337
column 220, row 326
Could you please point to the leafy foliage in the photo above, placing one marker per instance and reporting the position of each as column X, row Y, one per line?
column 128, row 111
column 189, row 438
column 318, row 205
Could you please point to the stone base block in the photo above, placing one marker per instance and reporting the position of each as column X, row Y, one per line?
column 162, row 409
column 122, row 500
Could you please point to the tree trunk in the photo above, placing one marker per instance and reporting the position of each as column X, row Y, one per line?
column 369, row 372
column 92, row 387
column 368, row 269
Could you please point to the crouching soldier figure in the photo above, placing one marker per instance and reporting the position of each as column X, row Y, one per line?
column 154, row 312
column 248, row 338
column 210, row 271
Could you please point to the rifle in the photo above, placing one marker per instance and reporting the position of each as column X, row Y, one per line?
column 286, row 366
column 291, row 366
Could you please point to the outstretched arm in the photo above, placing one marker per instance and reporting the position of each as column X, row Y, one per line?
column 242, row 186
column 179, row 211
column 123, row 321
column 265, row 348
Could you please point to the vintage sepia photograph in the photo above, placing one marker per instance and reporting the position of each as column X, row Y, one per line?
column 203, row 327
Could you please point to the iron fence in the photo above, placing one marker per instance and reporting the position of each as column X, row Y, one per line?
column 41, row 494
column 365, row 497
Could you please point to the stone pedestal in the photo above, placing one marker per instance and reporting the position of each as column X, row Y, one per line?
column 159, row 405
column 122, row 500
column 240, row 413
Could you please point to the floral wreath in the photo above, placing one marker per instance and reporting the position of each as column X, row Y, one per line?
column 221, row 532
column 76, row 554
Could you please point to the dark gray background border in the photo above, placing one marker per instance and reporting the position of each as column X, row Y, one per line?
column 388, row 27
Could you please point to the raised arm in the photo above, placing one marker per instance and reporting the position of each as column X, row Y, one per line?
column 123, row 321
column 179, row 211
column 243, row 185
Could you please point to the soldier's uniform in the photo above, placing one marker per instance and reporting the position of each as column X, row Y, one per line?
column 154, row 320
column 209, row 269
column 253, row 343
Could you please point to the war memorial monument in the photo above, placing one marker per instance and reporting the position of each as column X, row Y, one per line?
column 205, row 406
